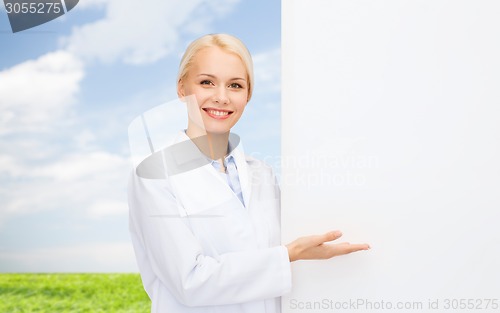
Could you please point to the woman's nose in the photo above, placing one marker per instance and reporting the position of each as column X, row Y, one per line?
column 221, row 96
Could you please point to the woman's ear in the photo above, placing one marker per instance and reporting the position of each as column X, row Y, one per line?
column 180, row 89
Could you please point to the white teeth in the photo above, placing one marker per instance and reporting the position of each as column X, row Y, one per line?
column 218, row 113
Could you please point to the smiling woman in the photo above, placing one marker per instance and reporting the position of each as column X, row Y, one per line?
column 206, row 230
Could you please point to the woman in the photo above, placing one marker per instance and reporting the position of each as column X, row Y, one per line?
column 206, row 232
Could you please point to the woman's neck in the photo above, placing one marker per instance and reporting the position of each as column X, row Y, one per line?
column 213, row 145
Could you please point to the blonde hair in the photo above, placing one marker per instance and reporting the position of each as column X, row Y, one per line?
column 227, row 43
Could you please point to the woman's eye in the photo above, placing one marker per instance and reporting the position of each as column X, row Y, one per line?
column 205, row 82
column 235, row 85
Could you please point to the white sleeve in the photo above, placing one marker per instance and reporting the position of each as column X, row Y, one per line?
column 165, row 245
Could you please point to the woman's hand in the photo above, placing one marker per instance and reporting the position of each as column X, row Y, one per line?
column 315, row 247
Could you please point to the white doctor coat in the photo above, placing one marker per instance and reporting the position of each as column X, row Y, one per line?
column 199, row 249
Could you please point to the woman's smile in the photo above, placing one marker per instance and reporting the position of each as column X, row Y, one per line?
column 217, row 113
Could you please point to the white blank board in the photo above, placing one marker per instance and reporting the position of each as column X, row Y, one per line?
column 391, row 133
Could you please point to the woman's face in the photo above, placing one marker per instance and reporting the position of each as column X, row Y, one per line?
column 218, row 80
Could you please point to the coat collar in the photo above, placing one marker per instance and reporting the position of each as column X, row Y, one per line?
column 184, row 156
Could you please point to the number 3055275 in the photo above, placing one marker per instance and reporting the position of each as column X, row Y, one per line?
column 33, row 8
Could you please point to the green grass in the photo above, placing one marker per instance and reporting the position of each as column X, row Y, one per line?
column 56, row 293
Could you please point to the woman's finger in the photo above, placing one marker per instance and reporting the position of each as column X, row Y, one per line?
column 329, row 236
column 349, row 248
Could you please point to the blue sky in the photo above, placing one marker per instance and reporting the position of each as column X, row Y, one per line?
column 68, row 91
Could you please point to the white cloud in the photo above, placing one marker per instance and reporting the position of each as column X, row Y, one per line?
column 93, row 184
column 106, row 257
column 36, row 92
column 108, row 208
column 85, row 139
column 81, row 166
column 9, row 165
column 267, row 70
column 139, row 32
